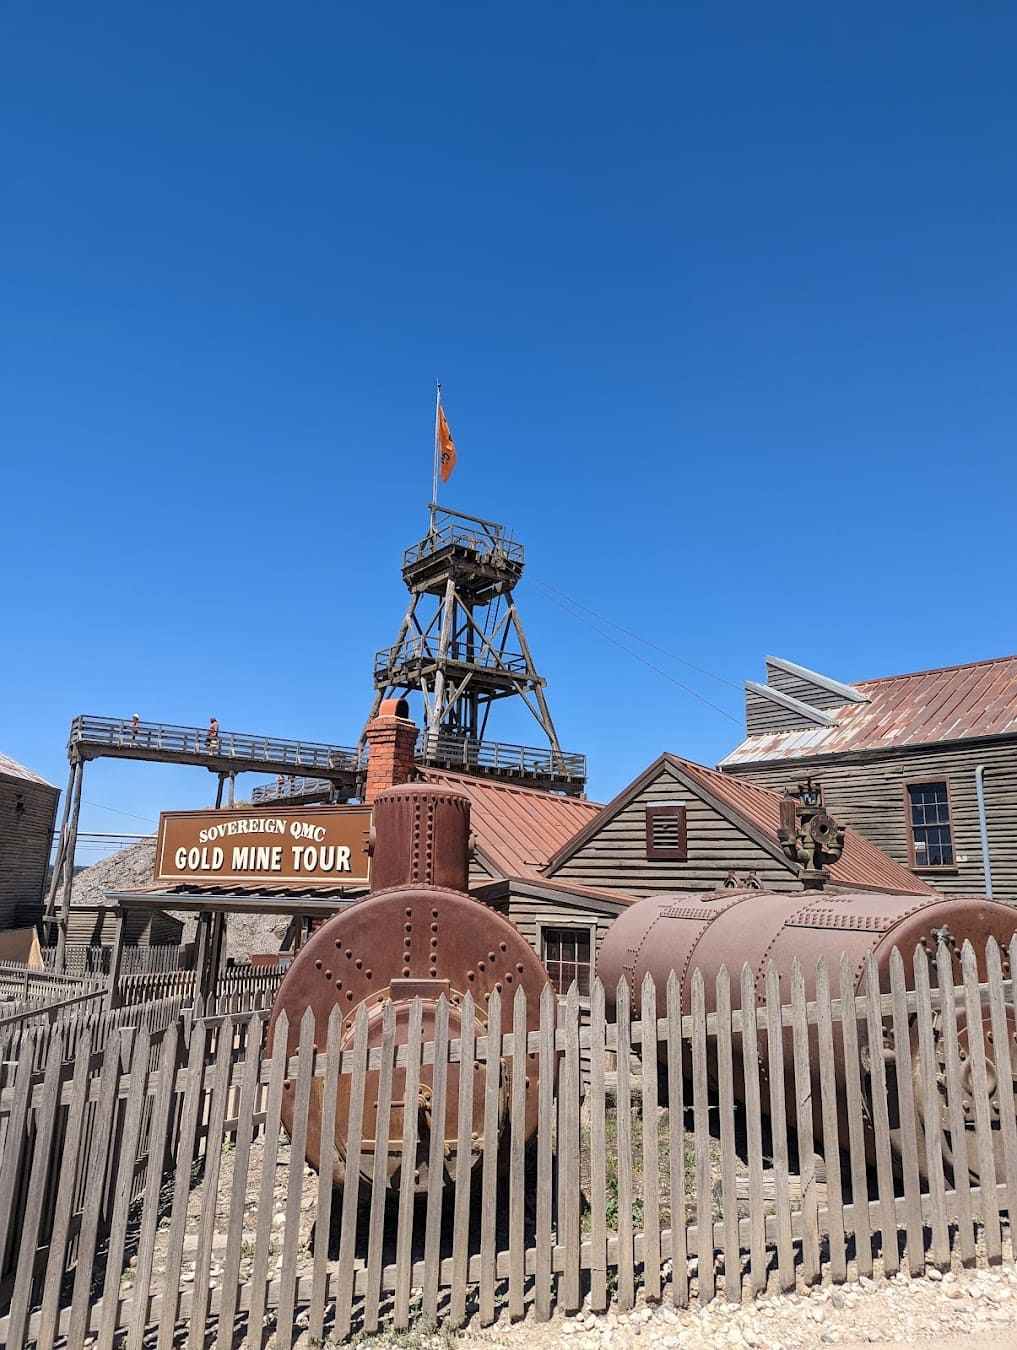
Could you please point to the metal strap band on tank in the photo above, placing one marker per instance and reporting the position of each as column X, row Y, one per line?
column 732, row 897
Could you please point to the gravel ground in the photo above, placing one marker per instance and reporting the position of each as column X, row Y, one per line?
column 962, row 1309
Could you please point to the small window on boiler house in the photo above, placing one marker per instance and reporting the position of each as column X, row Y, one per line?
column 666, row 832
column 929, row 824
column 567, row 956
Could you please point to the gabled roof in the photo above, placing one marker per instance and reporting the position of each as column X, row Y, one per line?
column 12, row 769
column 756, row 811
column 954, row 703
column 517, row 829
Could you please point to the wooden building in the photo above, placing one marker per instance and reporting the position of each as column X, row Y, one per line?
column 924, row 764
column 677, row 827
column 27, row 811
column 517, row 831
column 682, row 827
column 94, row 925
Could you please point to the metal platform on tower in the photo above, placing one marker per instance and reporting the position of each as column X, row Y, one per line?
column 462, row 648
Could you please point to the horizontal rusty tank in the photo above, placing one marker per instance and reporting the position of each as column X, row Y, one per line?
column 418, row 934
column 734, row 928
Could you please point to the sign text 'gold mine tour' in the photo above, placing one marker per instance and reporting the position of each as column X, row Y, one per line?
column 324, row 846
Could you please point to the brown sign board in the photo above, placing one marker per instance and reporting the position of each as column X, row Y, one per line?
column 322, row 846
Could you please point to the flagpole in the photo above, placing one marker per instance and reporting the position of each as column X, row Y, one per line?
column 434, row 483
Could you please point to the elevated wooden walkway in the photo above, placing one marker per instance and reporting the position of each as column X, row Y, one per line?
column 524, row 765
column 230, row 752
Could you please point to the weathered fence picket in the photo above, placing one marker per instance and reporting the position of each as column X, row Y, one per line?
column 715, row 1145
column 623, row 1135
column 545, row 1155
column 676, row 1137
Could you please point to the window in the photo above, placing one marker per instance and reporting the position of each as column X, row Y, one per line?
column 929, row 822
column 567, row 955
column 666, row 832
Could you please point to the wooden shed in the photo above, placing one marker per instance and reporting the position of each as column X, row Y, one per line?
column 27, row 811
column 564, row 924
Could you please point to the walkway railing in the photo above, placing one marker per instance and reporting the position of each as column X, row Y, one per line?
column 481, row 537
column 111, row 734
column 424, row 650
column 457, row 754
column 525, row 761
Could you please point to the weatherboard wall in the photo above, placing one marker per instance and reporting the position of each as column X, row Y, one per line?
column 27, row 813
column 614, row 857
column 95, row 926
column 764, row 714
column 867, row 793
column 805, row 690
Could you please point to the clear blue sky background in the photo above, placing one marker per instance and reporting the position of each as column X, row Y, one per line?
column 722, row 297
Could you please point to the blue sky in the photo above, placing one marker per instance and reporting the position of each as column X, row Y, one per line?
column 722, row 298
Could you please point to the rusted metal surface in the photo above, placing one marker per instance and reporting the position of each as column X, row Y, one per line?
column 809, row 835
column 420, row 837
column 518, row 829
column 926, row 707
column 418, row 938
column 861, row 866
column 730, row 928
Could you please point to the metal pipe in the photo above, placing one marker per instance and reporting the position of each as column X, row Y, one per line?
column 983, row 827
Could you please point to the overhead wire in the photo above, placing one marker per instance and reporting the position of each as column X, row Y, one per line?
column 635, row 655
column 545, row 585
column 117, row 811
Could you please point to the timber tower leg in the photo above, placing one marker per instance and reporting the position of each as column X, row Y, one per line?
column 462, row 648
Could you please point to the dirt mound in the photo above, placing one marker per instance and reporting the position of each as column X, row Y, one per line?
column 127, row 870
column 133, row 868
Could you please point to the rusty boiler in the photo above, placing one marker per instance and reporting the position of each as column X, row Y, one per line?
column 417, row 935
column 732, row 928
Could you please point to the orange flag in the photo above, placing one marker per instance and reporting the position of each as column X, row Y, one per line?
column 446, row 447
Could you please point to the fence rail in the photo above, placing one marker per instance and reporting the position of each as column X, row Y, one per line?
column 718, row 1147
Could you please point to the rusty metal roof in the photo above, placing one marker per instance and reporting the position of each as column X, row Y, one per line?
column 517, row 829
column 926, row 707
column 756, row 811
column 862, row 865
column 12, row 769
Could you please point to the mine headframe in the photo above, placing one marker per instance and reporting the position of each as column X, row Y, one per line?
column 462, row 647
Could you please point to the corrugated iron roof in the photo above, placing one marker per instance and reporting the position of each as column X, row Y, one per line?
column 862, row 865
column 518, row 829
column 13, row 769
column 926, row 707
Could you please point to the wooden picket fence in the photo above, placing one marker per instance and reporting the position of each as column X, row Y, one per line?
column 82, row 959
column 160, row 1200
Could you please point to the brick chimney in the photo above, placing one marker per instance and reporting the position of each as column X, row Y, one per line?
column 391, row 739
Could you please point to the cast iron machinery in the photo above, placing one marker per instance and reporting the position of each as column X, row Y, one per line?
column 732, row 928
column 418, row 934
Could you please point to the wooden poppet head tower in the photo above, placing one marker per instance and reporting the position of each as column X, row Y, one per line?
column 462, row 647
